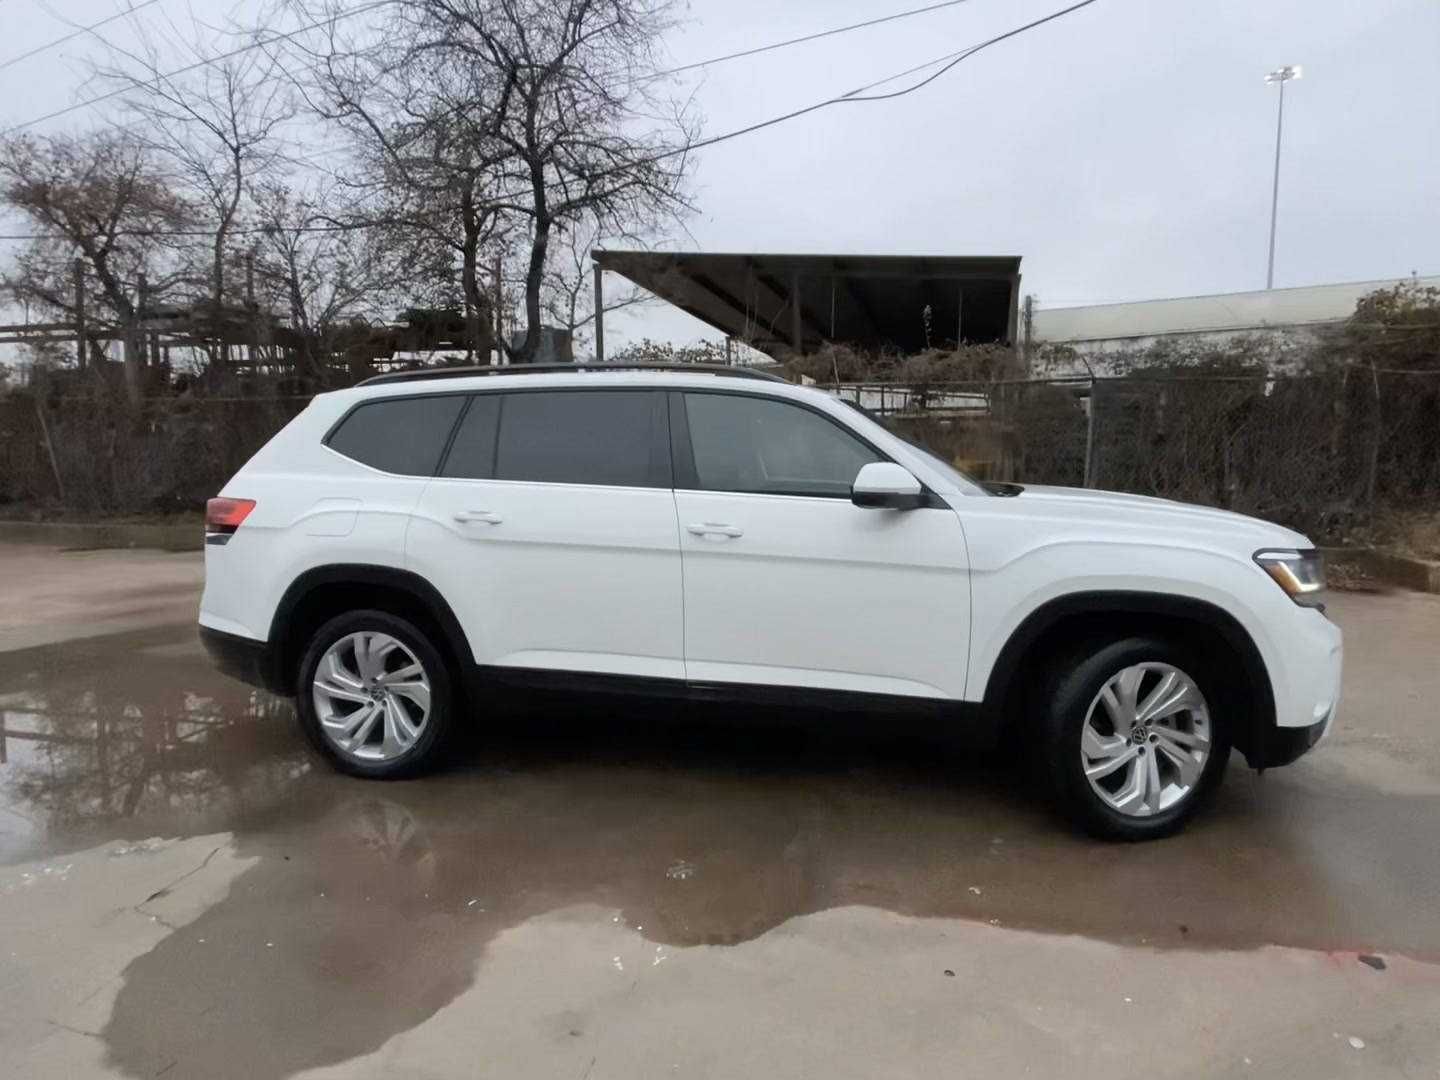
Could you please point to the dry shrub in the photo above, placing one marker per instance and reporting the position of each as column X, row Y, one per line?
column 170, row 455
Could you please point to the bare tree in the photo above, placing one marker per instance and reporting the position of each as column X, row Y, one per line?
column 422, row 166
column 219, row 122
column 569, row 295
column 101, row 199
column 329, row 283
column 431, row 227
column 527, row 116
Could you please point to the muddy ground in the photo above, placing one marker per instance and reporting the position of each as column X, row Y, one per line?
column 595, row 890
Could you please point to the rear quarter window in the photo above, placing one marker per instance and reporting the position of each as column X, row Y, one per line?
column 398, row 435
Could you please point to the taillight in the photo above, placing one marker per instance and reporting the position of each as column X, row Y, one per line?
column 223, row 516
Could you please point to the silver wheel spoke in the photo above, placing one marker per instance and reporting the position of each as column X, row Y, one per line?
column 370, row 653
column 352, row 730
column 361, row 732
column 1130, row 797
column 1194, row 739
column 397, row 701
column 338, row 681
column 334, row 680
column 1095, row 745
column 1187, row 768
column 343, row 693
column 417, row 691
column 1179, row 700
column 1146, row 739
column 1120, row 717
column 1127, row 688
column 1108, row 766
column 1157, row 698
column 398, row 732
column 409, row 671
column 1153, row 789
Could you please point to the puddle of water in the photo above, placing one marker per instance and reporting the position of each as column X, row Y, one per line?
column 371, row 904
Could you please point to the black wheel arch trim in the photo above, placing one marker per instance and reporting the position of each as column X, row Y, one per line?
column 361, row 575
column 1261, row 742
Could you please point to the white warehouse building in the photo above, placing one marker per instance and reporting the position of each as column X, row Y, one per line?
column 1290, row 317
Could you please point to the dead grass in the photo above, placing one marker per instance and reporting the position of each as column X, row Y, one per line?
column 1416, row 534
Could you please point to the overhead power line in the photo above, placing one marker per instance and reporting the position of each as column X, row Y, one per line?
column 328, row 152
column 75, row 33
column 257, row 44
column 859, row 94
column 806, row 37
column 856, row 95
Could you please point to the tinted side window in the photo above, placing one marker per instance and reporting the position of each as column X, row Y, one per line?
column 472, row 454
column 401, row 435
column 584, row 437
column 754, row 444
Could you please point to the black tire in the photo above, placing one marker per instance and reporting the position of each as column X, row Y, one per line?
column 427, row 750
column 1074, row 684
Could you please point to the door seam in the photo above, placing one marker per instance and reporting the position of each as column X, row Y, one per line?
column 680, row 550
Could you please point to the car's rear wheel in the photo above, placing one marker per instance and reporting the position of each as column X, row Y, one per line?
column 1136, row 737
column 374, row 695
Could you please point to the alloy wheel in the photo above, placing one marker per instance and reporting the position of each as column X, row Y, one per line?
column 1146, row 739
column 372, row 696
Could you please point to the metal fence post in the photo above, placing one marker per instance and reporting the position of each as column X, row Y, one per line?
column 1090, row 403
column 49, row 446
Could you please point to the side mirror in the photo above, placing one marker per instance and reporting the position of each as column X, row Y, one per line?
column 883, row 485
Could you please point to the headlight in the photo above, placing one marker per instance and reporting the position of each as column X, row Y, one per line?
column 1300, row 573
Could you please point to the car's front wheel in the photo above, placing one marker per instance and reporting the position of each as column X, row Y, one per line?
column 374, row 695
column 1135, row 737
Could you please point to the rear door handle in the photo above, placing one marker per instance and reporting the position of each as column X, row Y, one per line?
column 713, row 528
column 488, row 517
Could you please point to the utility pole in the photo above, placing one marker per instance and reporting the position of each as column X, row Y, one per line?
column 599, row 316
column 1029, row 330
column 81, row 351
column 1281, row 76
column 499, row 303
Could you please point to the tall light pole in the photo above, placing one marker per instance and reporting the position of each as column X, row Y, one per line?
column 1281, row 76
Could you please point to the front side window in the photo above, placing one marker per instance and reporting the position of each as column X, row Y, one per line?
column 398, row 435
column 609, row 437
column 753, row 444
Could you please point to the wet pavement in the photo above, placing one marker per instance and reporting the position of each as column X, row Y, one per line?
column 192, row 892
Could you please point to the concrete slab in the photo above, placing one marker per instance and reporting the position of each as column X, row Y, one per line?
column 595, row 891
column 50, row 594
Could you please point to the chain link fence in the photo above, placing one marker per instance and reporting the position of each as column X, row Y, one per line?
column 94, row 455
column 1317, row 452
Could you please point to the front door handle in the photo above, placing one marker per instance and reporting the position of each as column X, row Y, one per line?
column 488, row 517
column 713, row 528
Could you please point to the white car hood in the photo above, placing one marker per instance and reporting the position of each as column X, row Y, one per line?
column 1146, row 511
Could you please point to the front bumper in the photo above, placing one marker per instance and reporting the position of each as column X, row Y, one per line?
column 250, row 661
column 1284, row 744
column 1306, row 682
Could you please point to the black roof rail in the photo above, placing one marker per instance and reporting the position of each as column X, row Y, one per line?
column 542, row 369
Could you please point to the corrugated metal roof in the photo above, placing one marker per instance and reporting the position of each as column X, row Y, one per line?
column 1309, row 305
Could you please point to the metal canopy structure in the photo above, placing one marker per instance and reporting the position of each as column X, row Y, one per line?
column 788, row 304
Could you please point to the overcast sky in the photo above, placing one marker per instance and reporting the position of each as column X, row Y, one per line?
column 1125, row 152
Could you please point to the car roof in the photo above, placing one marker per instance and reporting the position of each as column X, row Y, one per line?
column 491, row 370
column 595, row 377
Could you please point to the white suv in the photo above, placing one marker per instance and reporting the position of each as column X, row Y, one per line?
column 405, row 546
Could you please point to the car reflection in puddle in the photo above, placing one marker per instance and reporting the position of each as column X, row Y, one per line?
column 370, row 905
